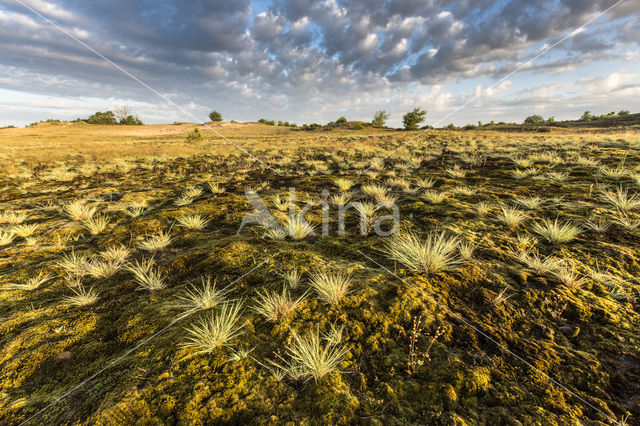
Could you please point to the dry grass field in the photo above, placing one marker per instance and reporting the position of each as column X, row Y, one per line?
column 508, row 293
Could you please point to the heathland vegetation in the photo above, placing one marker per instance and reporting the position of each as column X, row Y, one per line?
column 506, row 294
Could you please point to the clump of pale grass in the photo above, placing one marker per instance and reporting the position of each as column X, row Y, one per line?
column 274, row 306
column 555, row 232
column 215, row 187
column 483, row 208
column 280, row 203
column 78, row 210
column 621, row 199
column 386, row 200
column 207, row 296
column 74, row 265
column 330, row 287
column 539, row 265
column 511, row 216
column 341, row 199
column 615, row 173
column 530, row 203
column 456, row 172
column 597, row 225
column 104, row 268
column 6, row 237
column 116, row 254
column 557, row 176
column 435, row 197
column 367, row 213
column 311, row 359
column 156, row 242
column 399, row 183
column 13, row 218
column 297, row 228
column 343, row 184
column 215, row 330
column 31, row 283
column 25, row 230
column 96, row 224
column 146, row 275
column 424, row 183
column 569, row 276
column 502, row 297
column 464, row 190
column 194, row 222
column 466, row 250
column 81, row 297
column 275, row 234
column 435, row 254
column 375, row 191
column 292, row 278
column 623, row 220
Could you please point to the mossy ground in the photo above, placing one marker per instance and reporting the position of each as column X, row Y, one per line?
column 582, row 340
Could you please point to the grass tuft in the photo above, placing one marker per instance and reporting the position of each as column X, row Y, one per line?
column 435, row 254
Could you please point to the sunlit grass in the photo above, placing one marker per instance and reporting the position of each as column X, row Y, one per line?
column 330, row 287
column 215, row 330
column 434, row 254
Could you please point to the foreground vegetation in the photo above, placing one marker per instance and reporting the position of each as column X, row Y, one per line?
column 508, row 294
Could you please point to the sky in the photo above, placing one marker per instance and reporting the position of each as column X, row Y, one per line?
column 312, row 61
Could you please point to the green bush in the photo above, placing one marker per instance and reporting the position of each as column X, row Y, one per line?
column 106, row 117
column 412, row 119
column 342, row 119
column 534, row 120
column 195, row 135
column 131, row 120
column 215, row 116
column 358, row 126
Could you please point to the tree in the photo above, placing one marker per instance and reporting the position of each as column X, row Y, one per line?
column 342, row 119
column 106, row 117
column 380, row 118
column 412, row 119
column 587, row 116
column 534, row 120
column 623, row 112
column 131, row 120
column 551, row 120
column 215, row 116
column 121, row 112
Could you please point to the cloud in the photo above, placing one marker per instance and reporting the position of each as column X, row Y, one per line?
column 300, row 55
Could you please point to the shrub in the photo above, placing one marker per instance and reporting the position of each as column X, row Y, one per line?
column 131, row 120
column 195, row 135
column 215, row 116
column 534, row 120
column 412, row 119
column 106, row 117
column 340, row 120
column 358, row 126
column 380, row 118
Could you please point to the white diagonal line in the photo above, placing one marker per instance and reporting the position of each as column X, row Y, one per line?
column 572, row 33
column 127, row 353
column 127, row 73
column 462, row 319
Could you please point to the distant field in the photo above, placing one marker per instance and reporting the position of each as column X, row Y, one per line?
column 509, row 293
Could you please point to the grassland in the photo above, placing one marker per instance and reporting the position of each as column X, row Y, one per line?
column 509, row 294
